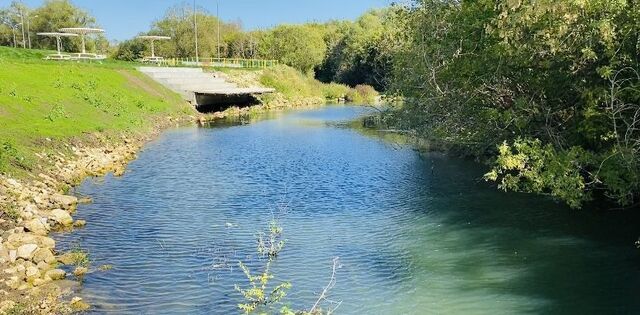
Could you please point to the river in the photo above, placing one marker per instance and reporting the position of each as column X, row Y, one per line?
column 415, row 233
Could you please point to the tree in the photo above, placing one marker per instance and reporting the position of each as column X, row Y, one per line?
column 299, row 46
column 549, row 87
column 56, row 14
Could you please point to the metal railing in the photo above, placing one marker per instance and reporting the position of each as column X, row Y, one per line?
column 220, row 62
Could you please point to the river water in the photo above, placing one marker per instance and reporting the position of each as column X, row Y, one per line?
column 414, row 233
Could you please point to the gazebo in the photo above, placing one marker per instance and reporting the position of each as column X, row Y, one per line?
column 58, row 36
column 82, row 32
column 152, row 39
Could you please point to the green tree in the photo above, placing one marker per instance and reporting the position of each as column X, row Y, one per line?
column 557, row 80
column 299, row 46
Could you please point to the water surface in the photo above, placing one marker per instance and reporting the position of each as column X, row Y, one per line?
column 415, row 233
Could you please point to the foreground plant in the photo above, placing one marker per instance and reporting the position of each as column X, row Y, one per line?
column 260, row 296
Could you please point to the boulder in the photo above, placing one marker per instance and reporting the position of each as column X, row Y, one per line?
column 13, row 255
column 6, row 306
column 32, row 273
column 31, row 208
column 17, row 239
column 27, row 251
column 38, row 282
column 80, row 271
column 64, row 201
column 62, row 217
column 4, row 254
column 55, row 274
column 78, row 305
column 44, row 255
column 43, row 266
column 37, row 226
column 79, row 223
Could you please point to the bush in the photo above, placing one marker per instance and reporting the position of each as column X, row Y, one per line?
column 291, row 82
column 334, row 91
column 362, row 93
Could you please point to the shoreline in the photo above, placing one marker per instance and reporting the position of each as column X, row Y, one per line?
column 31, row 275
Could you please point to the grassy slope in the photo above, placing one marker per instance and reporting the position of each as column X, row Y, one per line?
column 294, row 85
column 63, row 100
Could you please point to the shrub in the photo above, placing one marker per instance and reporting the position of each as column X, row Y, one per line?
column 334, row 91
column 367, row 93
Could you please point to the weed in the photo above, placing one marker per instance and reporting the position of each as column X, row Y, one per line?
column 11, row 212
column 56, row 112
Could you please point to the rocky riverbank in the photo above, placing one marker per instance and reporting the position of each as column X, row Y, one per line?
column 32, row 276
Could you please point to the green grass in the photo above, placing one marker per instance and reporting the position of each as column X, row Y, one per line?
column 61, row 100
column 294, row 84
column 290, row 82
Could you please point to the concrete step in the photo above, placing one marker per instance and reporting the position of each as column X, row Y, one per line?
column 169, row 70
column 203, row 86
column 206, row 80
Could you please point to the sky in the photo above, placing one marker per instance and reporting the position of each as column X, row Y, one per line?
column 123, row 19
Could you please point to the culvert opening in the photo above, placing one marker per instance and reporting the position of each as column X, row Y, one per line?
column 210, row 103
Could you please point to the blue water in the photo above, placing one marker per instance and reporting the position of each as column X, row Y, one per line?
column 415, row 233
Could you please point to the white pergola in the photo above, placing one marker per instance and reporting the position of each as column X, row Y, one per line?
column 58, row 37
column 152, row 39
column 82, row 32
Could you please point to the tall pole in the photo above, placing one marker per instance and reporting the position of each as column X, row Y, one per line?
column 218, row 18
column 24, row 43
column 195, row 28
column 28, row 31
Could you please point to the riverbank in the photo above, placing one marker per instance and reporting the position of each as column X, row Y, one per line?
column 63, row 122
column 293, row 90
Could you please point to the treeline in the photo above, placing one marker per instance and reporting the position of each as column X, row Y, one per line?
column 550, row 88
column 49, row 17
column 354, row 53
column 348, row 52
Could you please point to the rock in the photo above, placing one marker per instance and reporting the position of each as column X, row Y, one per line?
column 80, row 271
column 43, row 266
column 55, row 274
column 85, row 200
column 64, row 201
column 13, row 282
column 44, row 255
column 11, row 270
column 32, row 273
column 27, row 251
column 31, row 208
column 23, row 286
column 78, row 304
column 13, row 183
column 37, row 226
column 4, row 254
column 17, row 239
column 79, row 223
column 20, row 269
column 13, row 255
column 6, row 306
column 38, row 282
column 62, row 217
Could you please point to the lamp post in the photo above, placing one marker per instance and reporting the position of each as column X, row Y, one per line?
column 24, row 42
column 195, row 28
column 218, row 18
column 29, row 28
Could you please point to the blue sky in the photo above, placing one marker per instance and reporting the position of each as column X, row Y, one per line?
column 125, row 18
